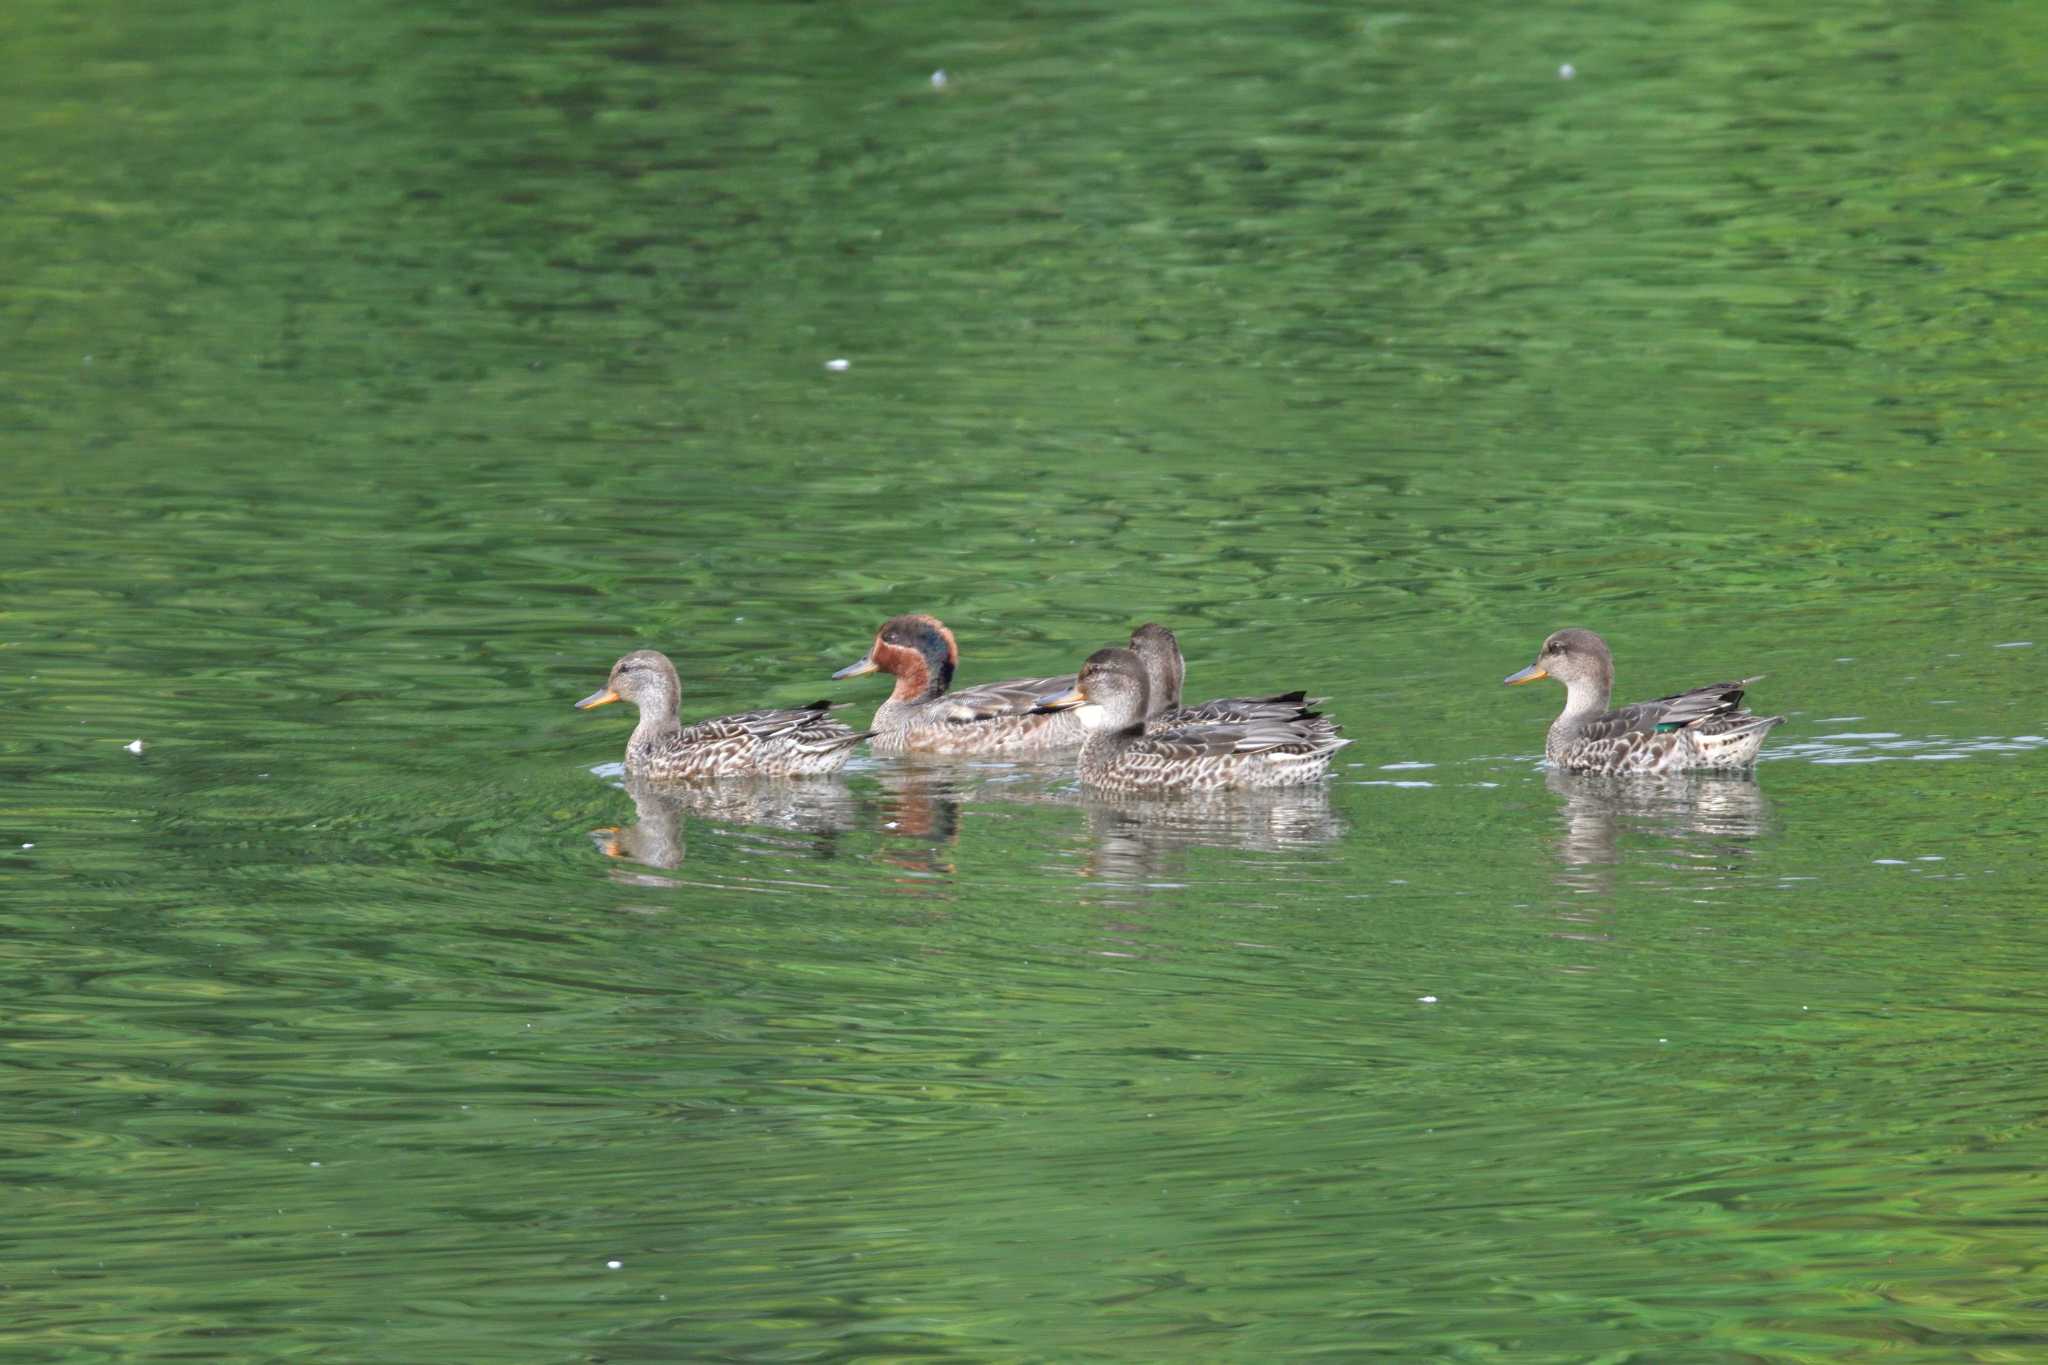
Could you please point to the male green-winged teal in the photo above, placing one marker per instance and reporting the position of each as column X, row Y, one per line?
column 797, row 741
column 922, row 716
column 1121, row 754
column 1703, row 728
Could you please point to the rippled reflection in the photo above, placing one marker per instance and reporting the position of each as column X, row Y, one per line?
column 1686, row 817
column 1136, row 839
column 922, row 801
column 918, row 816
column 819, row 808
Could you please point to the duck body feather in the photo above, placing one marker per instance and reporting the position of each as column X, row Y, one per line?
column 800, row 741
column 1703, row 727
column 990, row 718
column 781, row 741
column 1211, row 756
column 1281, row 706
column 1126, row 752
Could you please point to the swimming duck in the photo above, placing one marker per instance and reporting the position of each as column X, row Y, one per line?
column 1121, row 754
column 785, row 742
column 921, row 716
column 1703, row 728
column 1165, row 670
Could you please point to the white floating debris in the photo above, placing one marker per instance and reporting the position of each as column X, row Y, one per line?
column 1425, row 1000
column 939, row 79
column 312, row 1163
column 133, row 746
column 1889, row 862
column 838, row 363
column 28, row 845
column 2015, row 644
column 1567, row 71
column 614, row 1265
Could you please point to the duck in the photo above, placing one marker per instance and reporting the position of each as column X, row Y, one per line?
column 922, row 716
column 1111, row 695
column 1704, row 727
column 799, row 741
column 1166, row 670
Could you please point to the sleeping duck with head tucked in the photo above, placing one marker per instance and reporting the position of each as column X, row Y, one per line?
column 923, row 716
column 1111, row 696
column 1704, row 727
column 801, row 741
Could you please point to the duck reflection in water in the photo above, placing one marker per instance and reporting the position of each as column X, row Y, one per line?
column 919, row 816
column 922, row 800
column 818, row 810
column 923, row 805
column 1135, row 840
column 1682, row 820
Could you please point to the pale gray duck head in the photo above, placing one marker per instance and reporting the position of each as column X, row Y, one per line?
column 647, row 679
column 1578, row 659
column 1165, row 670
column 1110, row 695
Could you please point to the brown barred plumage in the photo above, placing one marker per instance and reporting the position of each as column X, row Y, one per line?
column 802, row 741
column 1704, row 727
column 1122, row 754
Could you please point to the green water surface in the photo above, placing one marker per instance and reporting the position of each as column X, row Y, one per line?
column 372, row 375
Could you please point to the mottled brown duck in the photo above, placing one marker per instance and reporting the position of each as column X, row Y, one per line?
column 800, row 741
column 1704, row 727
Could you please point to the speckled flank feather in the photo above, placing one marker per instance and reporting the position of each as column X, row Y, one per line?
column 1704, row 727
column 1165, row 672
column 794, row 742
column 994, row 718
column 1722, row 742
column 1210, row 757
column 1123, row 755
column 802, row 741
column 923, row 716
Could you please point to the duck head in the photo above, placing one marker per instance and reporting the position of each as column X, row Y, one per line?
column 646, row 678
column 918, row 650
column 1576, row 658
column 1110, row 694
column 1165, row 669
